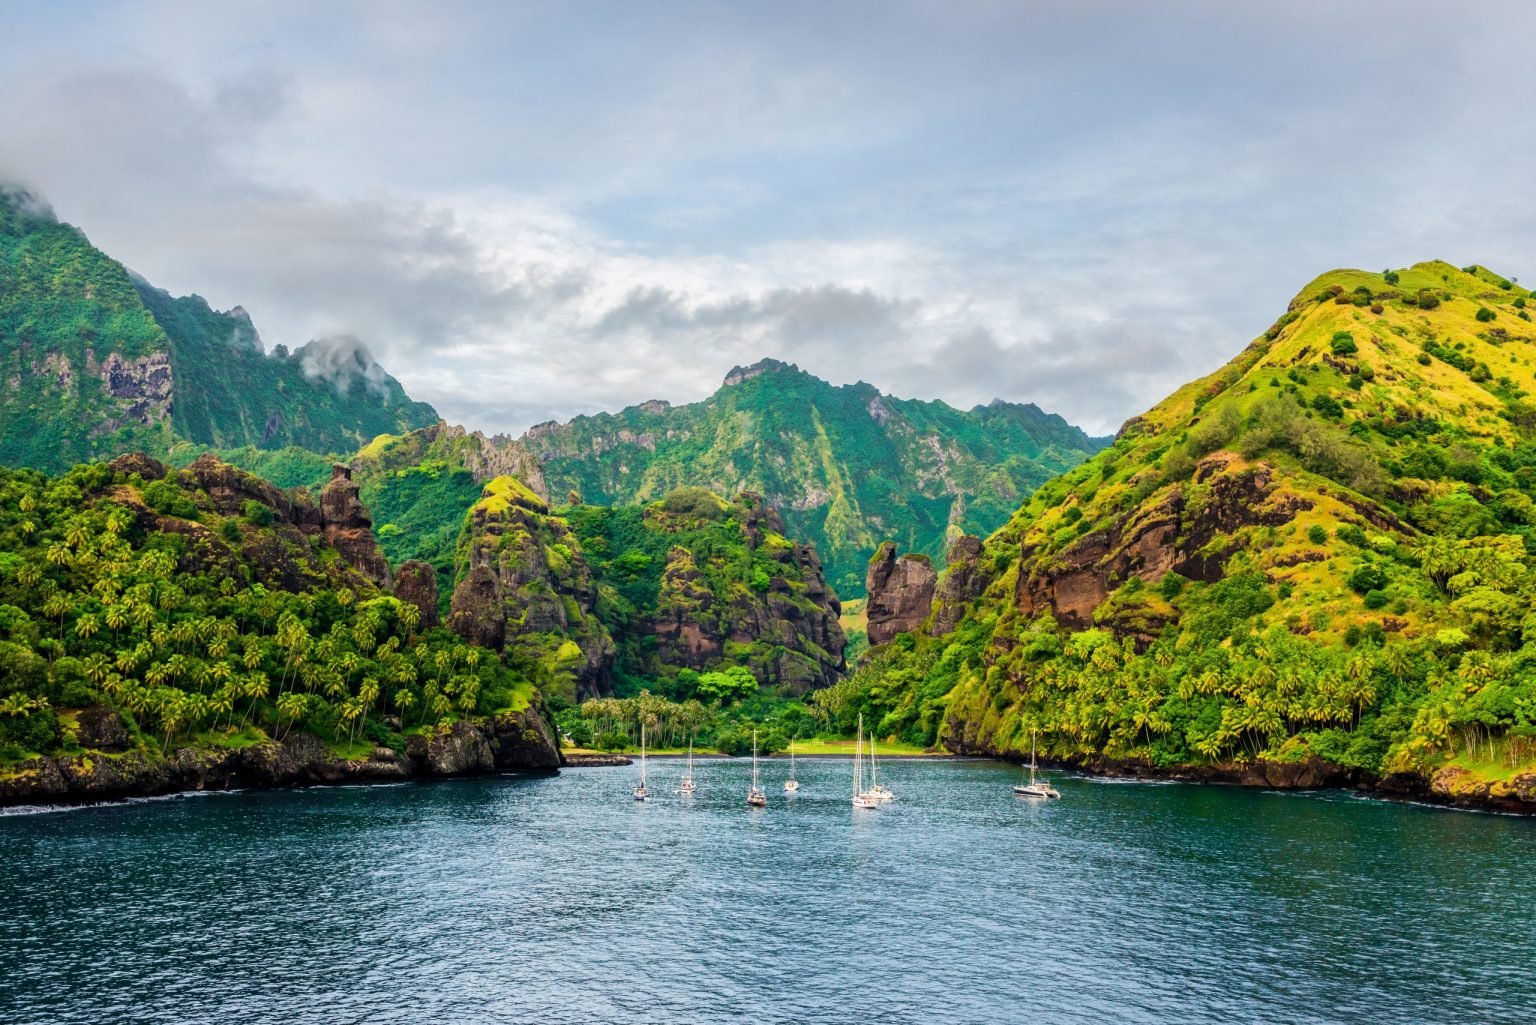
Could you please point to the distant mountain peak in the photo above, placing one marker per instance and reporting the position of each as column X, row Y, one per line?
column 762, row 366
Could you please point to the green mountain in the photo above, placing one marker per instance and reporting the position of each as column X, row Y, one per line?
column 693, row 584
column 168, row 629
column 845, row 466
column 97, row 362
column 1315, row 565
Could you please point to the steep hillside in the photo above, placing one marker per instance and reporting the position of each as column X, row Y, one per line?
column 96, row 362
column 169, row 629
column 1313, row 565
column 420, row 486
column 846, row 466
column 523, row 587
column 692, row 583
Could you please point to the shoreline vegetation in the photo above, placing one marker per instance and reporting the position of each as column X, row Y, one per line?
column 470, row 750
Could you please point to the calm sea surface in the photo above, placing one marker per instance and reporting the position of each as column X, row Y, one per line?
column 558, row 899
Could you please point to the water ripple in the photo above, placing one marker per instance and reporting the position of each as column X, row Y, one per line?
column 562, row 901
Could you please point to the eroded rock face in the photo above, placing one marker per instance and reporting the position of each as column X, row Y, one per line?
column 1171, row 536
column 100, row 728
column 139, row 390
column 349, row 528
column 511, row 741
column 798, row 612
column 416, row 583
column 524, row 589
column 230, row 487
column 900, row 592
column 137, row 462
column 457, row 750
column 962, row 582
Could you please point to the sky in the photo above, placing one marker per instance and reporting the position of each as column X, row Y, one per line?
column 530, row 211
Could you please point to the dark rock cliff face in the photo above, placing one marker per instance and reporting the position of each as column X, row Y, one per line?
column 900, row 593
column 962, row 582
column 510, row 741
column 1169, row 537
column 278, row 555
column 525, row 590
column 416, row 583
column 797, row 614
column 349, row 528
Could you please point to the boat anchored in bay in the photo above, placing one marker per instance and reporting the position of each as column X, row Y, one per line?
column 755, row 797
column 1037, row 789
column 861, row 798
column 687, row 786
column 791, row 784
column 641, row 793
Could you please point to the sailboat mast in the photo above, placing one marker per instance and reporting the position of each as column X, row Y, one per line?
column 642, row 753
column 872, row 761
column 858, row 757
column 1031, row 757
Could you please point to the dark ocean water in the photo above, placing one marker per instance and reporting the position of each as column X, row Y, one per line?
column 558, row 899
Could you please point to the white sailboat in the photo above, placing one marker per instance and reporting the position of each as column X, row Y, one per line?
column 861, row 797
column 791, row 784
column 881, row 793
column 755, row 797
column 687, row 786
column 1037, row 789
column 642, row 794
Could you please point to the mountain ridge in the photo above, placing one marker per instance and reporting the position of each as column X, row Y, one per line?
column 98, row 362
column 1312, row 566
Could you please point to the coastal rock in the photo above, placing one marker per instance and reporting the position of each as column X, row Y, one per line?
column 416, row 584
column 523, row 740
column 458, row 749
column 900, row 593
column 100, row 728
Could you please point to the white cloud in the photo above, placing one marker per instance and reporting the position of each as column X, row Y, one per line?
column 531, row 212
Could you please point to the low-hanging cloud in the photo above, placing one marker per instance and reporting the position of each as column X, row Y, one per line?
column 1026, row 202
column 343, row 361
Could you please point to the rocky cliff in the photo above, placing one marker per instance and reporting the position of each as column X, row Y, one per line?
column 166, row 629
column 845, row 466
column 900, row 590
column 95, row 362
column 524, row 589
column 109, row 767
column 694, row 583
column 1315, row 557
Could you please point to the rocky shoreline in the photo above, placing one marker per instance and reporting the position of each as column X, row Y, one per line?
column 1449, row 787
column 510, row 742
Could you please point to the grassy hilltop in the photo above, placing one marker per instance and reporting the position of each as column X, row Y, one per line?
column 1320, row 555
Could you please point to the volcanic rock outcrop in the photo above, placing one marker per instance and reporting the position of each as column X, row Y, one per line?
column 900, row 592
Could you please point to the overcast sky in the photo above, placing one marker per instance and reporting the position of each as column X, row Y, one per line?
column 530, row 211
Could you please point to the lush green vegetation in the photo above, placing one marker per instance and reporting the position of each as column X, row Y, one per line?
column 97, row 363
column 139, row 595
column 846, row 466
column 713, row 724
column 1357, row 491
column 64, row 306
column 722, row 568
